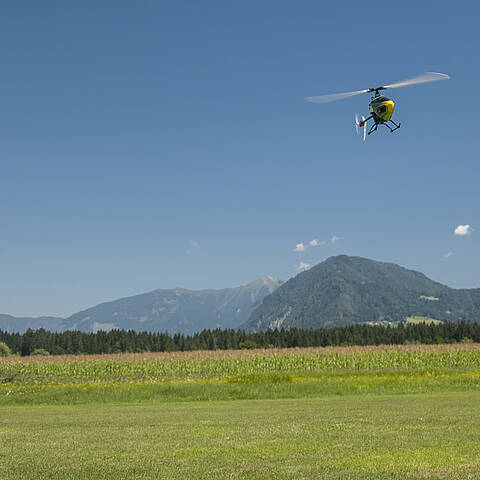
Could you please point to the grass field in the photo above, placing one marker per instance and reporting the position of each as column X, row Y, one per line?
column 340, row 413
column 368, row 437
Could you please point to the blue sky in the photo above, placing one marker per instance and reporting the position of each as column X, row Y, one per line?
column 150, row 145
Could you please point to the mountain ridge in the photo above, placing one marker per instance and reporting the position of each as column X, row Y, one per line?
column 173, row 310
column 340, row 291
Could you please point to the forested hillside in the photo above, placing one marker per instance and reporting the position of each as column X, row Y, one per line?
column 347, row 290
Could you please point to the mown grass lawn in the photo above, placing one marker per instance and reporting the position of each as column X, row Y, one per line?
column 421, row 436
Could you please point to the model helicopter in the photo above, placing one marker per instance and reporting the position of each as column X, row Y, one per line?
column 381, row 106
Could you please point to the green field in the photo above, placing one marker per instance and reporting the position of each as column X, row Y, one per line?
column 420, row 319
column 353, row 413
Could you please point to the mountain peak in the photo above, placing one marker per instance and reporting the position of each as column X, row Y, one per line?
column 265, row 281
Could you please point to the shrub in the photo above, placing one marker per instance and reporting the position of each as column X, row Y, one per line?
column 40, row 351
column 4, row 350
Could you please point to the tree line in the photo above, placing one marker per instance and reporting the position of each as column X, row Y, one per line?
column 119, row 341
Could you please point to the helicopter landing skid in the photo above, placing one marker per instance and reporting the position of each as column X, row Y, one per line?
column 393, row 129
column 375, row 126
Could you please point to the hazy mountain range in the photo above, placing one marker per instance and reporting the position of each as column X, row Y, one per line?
column 340, row 291
column 173, row 310
column 346, row 290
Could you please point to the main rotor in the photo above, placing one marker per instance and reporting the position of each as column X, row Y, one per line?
column 424, row 78
column 376, row 90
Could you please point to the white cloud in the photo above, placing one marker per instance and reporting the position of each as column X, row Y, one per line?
column 335, row 239
column 194, row 245
column 463, row 230
column 300, row 247
column 448, row 254
column 302, row 266
column 316, row 243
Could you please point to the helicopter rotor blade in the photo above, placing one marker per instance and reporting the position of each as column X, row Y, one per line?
column 334, row 96
column 424, row 78
column 364, row 128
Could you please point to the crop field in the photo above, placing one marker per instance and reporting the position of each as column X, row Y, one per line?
column 226, row 375
column 404, row 412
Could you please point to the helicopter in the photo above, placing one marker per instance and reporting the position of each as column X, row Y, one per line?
column 381, row 106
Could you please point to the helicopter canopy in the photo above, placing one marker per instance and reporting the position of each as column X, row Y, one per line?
column 381, row 98
column 424, row 78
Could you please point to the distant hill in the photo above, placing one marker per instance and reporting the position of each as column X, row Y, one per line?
column 176, row 310
column 20, row 324
column 345, row 290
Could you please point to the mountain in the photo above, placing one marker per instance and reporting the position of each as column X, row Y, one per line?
column 176, row 310
column 20, row 324
column 345, row 290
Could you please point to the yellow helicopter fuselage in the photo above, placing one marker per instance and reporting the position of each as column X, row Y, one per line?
column 382, row 107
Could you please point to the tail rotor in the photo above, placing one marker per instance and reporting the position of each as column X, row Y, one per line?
column 359, row 124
